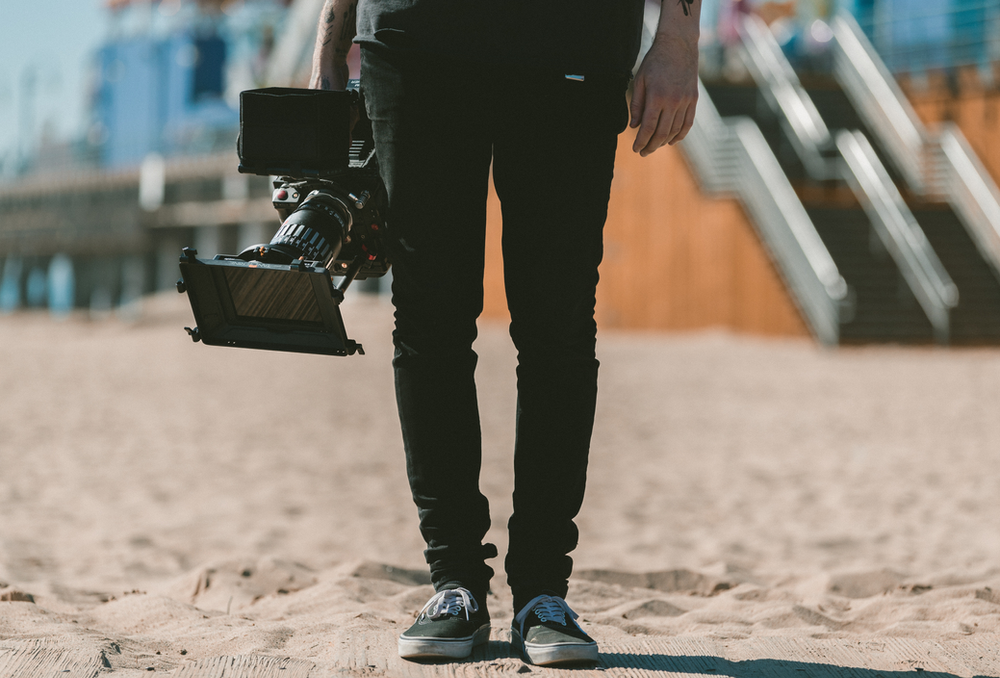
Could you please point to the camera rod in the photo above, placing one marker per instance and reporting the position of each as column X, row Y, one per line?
column 349, row 275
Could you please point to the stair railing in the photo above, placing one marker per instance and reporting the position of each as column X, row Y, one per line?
column 784, row 94
column 899, row 231
column 859, row 166
column 971, row 192
column 707, row 149
column 732, row 156
column 880, row 102
column 941, row 164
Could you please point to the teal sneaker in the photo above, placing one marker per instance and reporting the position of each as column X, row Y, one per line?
column 546, row 633
column 448, row 627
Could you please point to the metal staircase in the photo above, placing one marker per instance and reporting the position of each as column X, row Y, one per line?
column 952, row 195
column 880, row 304
column 904, row 252
column 732, row 156
column 976, row 319
column 884, row 307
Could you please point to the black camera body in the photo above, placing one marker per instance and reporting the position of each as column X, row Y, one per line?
column 280, row 295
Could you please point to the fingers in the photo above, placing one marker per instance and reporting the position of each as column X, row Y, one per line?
column 660, row 126
column 663, row 125
column 651, row 121
column 677, row 130
column 688, row 123
column 656, row 134
column 638, row 101
column 651, row 116
column 665, row 94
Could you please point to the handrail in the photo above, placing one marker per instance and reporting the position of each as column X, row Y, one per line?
column 784, row 93
column 705, row 146
column 972, row 193
column 861, row 169
column 877, row 97
column 918, row 155
column 732, row 155
column 768, row 191
column 899, row 231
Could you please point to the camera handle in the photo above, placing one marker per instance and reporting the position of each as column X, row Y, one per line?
column 349, row 275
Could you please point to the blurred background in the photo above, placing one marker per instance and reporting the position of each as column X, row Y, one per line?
column 840, row 182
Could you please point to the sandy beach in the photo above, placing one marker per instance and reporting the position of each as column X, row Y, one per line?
column 755, row 506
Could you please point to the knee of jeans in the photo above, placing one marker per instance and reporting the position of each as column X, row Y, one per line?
column 429, row 324
column 555, row 342
column 444, row 340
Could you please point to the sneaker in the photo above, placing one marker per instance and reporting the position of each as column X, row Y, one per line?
column 449, row 626
column 546, row 633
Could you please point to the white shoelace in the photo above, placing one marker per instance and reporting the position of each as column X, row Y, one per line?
column 449, row 602
column 546, row 608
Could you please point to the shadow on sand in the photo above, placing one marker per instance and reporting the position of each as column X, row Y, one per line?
column 707, row 665
column 752, row 668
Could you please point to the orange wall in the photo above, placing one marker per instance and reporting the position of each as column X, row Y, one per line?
column 674, row 258
column 974, row 108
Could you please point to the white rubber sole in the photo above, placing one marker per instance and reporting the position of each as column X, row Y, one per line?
column 554, row 654
column 451, row 648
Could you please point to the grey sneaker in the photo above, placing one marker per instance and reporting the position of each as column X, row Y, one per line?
column 546, row 633
column 448, row 627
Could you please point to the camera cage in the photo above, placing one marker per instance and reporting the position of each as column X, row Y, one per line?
column 319, row 145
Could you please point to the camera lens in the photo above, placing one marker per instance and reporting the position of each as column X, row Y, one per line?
column 316, row 231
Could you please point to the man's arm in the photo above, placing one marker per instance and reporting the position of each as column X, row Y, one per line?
column 665, row 91
column 337, row 27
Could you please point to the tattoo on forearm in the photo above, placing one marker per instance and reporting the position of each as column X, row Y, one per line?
column 349, row 21
column 330, row 16
column 325, row 83
column 685, row 4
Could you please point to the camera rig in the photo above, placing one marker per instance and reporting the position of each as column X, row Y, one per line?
column 281, row 295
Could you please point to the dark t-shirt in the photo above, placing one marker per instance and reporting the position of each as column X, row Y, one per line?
column 565, row 36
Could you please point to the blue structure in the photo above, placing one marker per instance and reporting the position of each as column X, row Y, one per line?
column 911, row 36
column 919, row 35
column 163, row 95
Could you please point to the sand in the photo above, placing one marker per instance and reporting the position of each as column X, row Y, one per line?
column 755, row 507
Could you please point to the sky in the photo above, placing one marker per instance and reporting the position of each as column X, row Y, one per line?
column 54, row 39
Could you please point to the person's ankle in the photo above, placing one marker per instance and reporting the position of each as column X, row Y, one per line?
column 522, row 599
column 479, row 594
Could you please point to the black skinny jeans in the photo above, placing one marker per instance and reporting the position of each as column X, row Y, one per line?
column 552, row 145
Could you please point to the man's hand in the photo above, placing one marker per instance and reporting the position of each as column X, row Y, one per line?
column 665, row 91
column 337, row 27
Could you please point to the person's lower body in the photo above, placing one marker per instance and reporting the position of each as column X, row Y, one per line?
column 551, row 142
